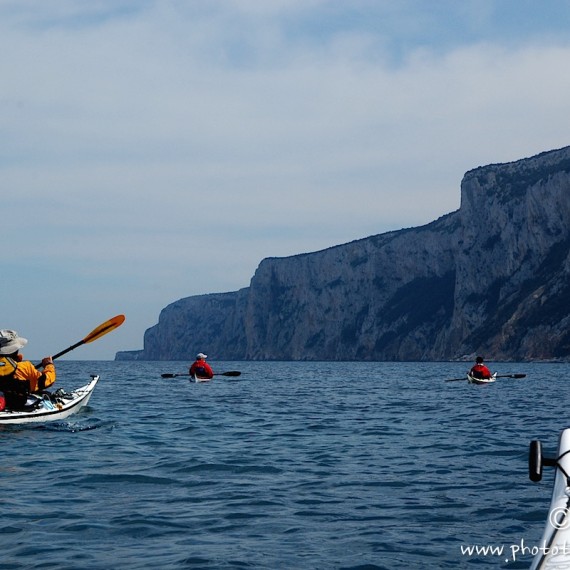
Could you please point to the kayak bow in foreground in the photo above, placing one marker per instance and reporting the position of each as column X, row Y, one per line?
column 554, row 551
column 57, row 406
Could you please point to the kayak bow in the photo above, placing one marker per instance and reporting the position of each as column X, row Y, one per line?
column 553, row 551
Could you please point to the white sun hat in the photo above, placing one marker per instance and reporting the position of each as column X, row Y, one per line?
column 10, row 342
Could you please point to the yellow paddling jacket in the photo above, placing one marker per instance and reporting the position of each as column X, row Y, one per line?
column 37, row 381
column 18, row 379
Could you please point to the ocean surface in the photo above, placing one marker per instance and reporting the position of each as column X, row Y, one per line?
column 289, row 466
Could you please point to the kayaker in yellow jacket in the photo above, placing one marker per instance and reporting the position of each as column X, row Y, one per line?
column 26, row 378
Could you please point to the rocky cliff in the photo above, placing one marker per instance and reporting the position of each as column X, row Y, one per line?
column 491, row 278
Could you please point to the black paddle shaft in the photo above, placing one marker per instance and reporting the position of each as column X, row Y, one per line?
column 230, row 373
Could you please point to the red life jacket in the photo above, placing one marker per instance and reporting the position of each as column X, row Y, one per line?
column 480, row 371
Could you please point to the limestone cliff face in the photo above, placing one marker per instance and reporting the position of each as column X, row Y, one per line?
column 492, row 277
column 513, row 286
column 213, row 322
column 384, row 297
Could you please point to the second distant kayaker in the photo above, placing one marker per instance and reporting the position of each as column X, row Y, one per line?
column 201, row 368
column 480, row 370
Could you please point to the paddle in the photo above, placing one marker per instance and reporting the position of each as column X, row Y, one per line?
column 498, row 376
column 230, row 373
column 100, row 331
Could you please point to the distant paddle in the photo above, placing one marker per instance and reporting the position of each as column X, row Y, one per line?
column 499, row 376
column 230, row 373
column 100, row 331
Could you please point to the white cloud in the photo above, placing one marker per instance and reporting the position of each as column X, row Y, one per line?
column 135, row 143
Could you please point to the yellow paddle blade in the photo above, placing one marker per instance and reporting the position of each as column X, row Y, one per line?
column 103, row 329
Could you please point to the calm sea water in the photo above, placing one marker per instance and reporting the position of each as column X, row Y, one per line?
column 291, row 465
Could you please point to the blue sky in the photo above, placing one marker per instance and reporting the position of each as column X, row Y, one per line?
column 153, row 150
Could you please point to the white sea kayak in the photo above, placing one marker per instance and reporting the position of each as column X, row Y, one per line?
column 194, row 378
column 554, row 547
column 57, row 406
column 473, row 380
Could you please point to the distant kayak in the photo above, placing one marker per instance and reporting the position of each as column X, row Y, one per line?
column 473, row 380
column 50, row 406
column 195, row 378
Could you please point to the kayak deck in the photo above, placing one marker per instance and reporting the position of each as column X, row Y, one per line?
column 57, row 406
column 474, row 380
column 195, row 378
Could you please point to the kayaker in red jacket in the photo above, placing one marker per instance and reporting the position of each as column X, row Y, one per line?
column 201, row 368
column 480, row 370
